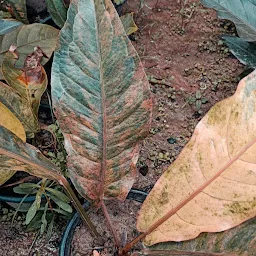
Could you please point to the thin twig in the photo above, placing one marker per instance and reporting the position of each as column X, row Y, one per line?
column 84, row 216
column 105, row 212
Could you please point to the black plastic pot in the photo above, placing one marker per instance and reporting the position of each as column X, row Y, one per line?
column 14, row 202
column 67, row 238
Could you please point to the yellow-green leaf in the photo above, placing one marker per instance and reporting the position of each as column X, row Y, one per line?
column 30, row 82
column 20, row 107
column 211, row 186
column 128, row 22
column 12, row 123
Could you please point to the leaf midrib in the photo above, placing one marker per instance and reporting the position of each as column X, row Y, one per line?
column 104, row 114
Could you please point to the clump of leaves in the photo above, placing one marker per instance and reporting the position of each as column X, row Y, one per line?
column 242, row 13
column 50, row 202
column 197, row 100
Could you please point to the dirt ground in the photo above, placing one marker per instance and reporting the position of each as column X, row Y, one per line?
column 189, row 69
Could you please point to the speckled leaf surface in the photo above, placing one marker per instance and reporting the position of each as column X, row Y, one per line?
column 19, row 106
column 27, row 37
column 211, row 187
column 128, row 22
column 17, row 8
column 101, row 99
column 12, row 123
column 238, row 241
column 58, row 11
column 30, row 82
column 241, row 12
column 17, row 155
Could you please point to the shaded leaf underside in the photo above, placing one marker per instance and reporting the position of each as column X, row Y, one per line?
column 241, row 12
column 240, row 240
column 101, row 98
column 244, row 51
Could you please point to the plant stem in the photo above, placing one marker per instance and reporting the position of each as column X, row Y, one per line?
column 76, row 203
column 105, row 212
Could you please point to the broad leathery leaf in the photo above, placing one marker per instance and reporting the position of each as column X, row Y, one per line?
column 26, row 38
column 244, row 51
column 10, row 122
column 58, row 11
column 7, row 25
column 101, row 98
column 241, row 12
column 20, row 156
column 30, row 82
column 20, row 107
column 129, row 25
column 17, row 8
column 239, row 240
column 211, row 187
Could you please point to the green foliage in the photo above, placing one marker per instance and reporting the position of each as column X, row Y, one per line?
column 7, row 26
column 16, row 8
column 50, row 200
column 244, row 51
column 242, row 13
column 58, row 11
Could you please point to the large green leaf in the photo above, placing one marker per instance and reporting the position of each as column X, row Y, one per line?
column 7, row 25
column 241, row 12
column 17, row 155
column 240, row 240
column 17, row 8
column 244, row 51
column 58, row 11
column 101, row 98
column 27, row 37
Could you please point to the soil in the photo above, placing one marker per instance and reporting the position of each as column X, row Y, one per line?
column 185, row 59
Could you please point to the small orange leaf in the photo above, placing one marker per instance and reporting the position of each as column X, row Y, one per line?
column 211, row 187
